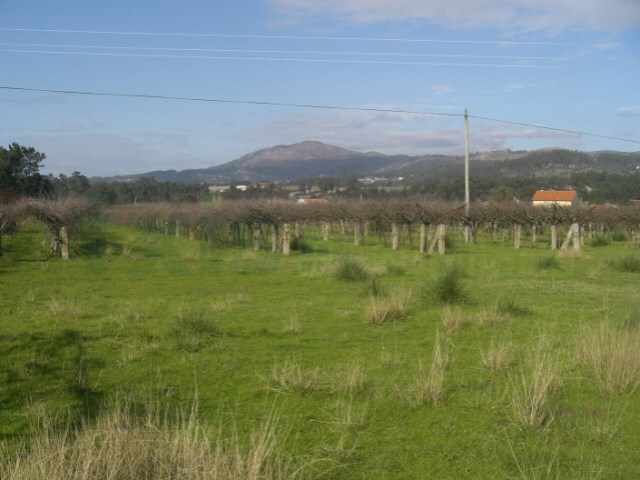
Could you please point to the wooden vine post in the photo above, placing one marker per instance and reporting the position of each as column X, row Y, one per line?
column 517, row 235
column 357, row 239
column 395, row 236
column 573, row 233
column 274, row 238
column 554, row 236
column 286, row 239
column 256, row 238
column 441, row 238
column 64, row 243
column 423, row 237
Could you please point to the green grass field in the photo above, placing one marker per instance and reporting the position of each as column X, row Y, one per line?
column 527, row 370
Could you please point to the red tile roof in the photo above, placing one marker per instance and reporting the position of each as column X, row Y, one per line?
column 554, row 196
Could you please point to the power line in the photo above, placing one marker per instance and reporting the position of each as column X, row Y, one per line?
column 573, row 132
column 299, row 52
column 313, row 106
column 290, row 37
column 279, row 59
column 220, row 100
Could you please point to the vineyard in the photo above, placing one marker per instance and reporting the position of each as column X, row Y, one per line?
column 421, row 225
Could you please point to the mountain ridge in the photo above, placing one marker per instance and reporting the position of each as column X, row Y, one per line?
column 310, row 158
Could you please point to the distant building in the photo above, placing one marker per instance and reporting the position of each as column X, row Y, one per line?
column 218, row 188
column 548, row 198
column 312, row 201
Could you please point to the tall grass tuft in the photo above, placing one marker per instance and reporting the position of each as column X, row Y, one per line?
column 290, row 377
column 532, row 395
column 301, row 245
column 629, row 263
column 123, row 444
column 375, row 288
column 351, row 270
column 428, row 386
column 392, row 308
column 612, row 356
column 548, row 262
column 449, row 288
column 194, row 328
column 496, row 357
column 510, row 307
column 452, row 318
column 600, row 241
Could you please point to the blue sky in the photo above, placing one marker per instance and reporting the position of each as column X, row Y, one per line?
column 570, row 64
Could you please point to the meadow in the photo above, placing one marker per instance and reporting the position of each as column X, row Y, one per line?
column 178, row 359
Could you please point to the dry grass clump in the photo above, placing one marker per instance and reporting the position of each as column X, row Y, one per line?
column 390, row 358
column 123, row 444
column 496, row 357
column 533, row 393
column 290, row 377
column 452, row 319
column 427, row 387
column 612, row 356
column 490, row 317
column 350, row 379
column 292, row 326
column 393, row 307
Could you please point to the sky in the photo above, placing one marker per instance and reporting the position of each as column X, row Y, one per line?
column 401, row 73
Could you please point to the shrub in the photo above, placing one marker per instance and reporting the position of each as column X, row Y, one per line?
column 449, row 287
column 351, row 270
column 629, row 263
column 548, row 262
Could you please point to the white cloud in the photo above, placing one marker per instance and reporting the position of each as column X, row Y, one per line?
column 396, row 134
column 538, row 15
column 630, row 111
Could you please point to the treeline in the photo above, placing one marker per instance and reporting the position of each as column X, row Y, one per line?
column 20, row 177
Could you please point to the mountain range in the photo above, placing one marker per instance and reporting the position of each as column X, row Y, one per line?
column 312, row 159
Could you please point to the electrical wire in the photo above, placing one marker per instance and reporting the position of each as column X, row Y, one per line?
column 291, row 37
column 311, row 106
column 287, row 52
column 280, row 59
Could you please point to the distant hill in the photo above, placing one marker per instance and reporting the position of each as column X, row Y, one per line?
column 311, row 159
